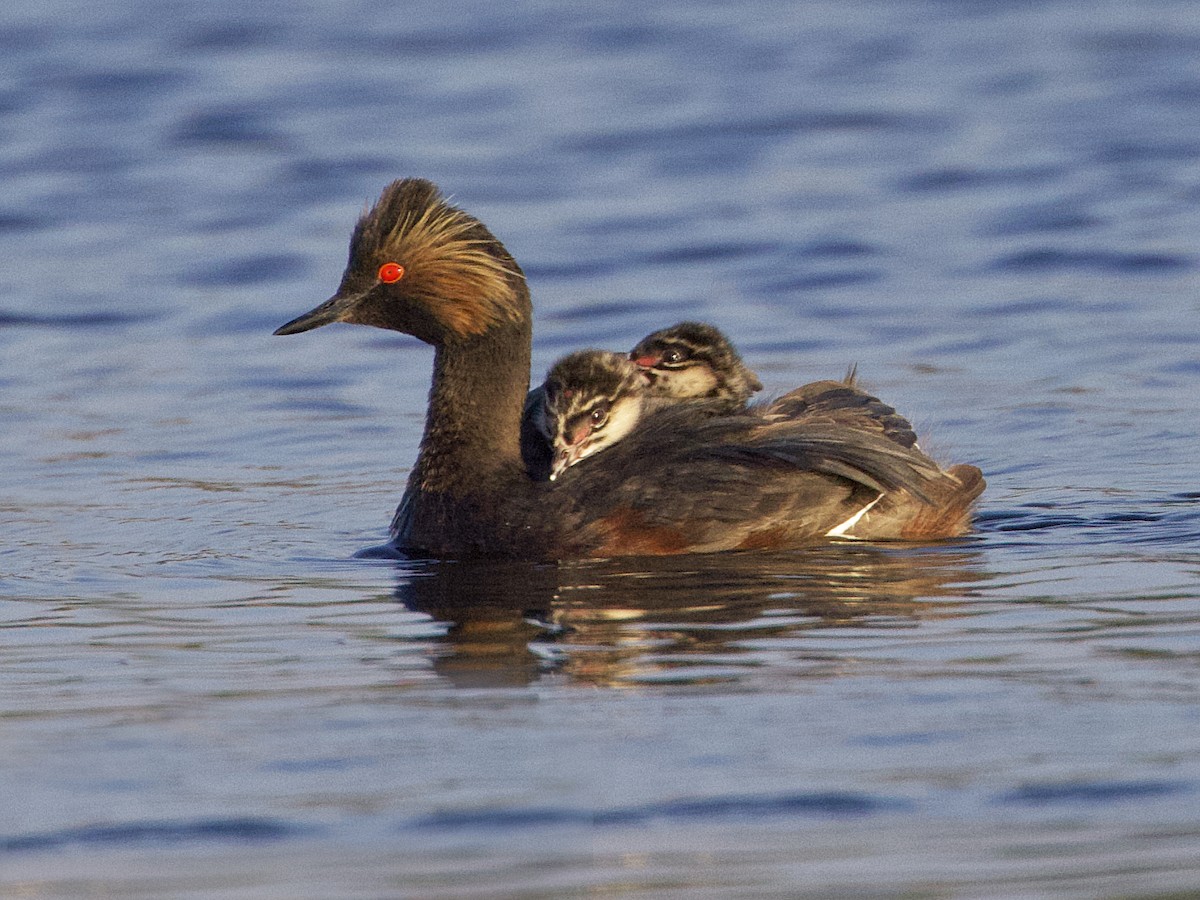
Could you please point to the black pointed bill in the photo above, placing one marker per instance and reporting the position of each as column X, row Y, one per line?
column 332, row 310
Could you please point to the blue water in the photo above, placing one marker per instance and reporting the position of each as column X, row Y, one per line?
column 991, row 208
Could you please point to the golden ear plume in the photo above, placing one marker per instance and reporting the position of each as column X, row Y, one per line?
column 452, row 263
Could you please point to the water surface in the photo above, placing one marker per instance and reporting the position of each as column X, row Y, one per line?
column 990, row 208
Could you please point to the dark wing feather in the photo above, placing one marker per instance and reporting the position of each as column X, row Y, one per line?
column 839, row 402
column 863, row 457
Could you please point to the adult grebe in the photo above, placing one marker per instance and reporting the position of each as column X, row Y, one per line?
column 681, row 482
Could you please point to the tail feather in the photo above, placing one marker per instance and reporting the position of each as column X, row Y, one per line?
column 899, row 515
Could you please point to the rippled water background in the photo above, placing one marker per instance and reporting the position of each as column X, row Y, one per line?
column 992, row 208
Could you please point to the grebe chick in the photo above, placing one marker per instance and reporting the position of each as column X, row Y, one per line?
column 681, row 482
column 694, row 360
column 593, row 398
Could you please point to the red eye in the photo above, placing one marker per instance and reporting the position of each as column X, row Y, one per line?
column 390, row 273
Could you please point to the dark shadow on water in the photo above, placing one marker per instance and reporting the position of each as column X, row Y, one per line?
column 673, row 620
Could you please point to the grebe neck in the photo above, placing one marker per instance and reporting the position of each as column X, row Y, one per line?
column 472, row 427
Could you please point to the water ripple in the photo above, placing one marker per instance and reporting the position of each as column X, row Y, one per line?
column 742, row 128
column 831, row 804
column 230, row 125
column 693, row 252
column 83, row 320
column 130, row 834
column 1039, row 217
column 1045, row 259
column 248, row 270
column 952, row 179
column 1093, row 792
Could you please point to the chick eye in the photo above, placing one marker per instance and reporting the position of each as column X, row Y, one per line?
column 391, row 272
column 599, row 415
column 674, row 355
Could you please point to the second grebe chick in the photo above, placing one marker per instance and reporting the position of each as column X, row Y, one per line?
column 592, row 398
column 694, row 360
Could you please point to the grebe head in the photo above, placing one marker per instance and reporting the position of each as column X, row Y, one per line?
column 694, row 360
column 421, row 266
column 593, row 399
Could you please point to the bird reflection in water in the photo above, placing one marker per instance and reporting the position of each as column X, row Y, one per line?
column 682, row 619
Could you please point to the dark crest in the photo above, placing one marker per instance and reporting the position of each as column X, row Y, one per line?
column 452, row 264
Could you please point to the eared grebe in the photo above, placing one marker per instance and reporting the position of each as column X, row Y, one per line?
column 682, row 481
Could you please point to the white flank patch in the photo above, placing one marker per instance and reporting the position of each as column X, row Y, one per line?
column 840, row 530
